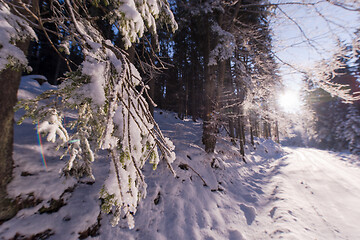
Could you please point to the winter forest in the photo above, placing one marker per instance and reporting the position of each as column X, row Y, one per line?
column 179, row 119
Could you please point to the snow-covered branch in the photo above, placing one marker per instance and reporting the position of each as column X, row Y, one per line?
column 111, row 114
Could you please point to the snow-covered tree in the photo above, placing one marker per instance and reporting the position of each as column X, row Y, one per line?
column 352, row 129
column 236, row 60
column 227, row 66
column 112, row 113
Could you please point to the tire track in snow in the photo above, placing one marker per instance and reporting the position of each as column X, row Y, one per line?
column 310, row 194
column 306, row 170
column 329, row 188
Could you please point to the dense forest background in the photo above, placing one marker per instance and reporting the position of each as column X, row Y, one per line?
column 219, row 66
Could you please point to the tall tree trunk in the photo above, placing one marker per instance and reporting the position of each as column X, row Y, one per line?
column 9, row 85
column 277, row 136
column 194, row 93
column 195, row 90
column 152, row 77
column 252, row 136
column 186, row 98
column 267, row 129
column 241, row 132
column 180, row 103
column 265, row 132
column 57, row 70
column 151, row 92
column 241, row 137
column 221, row 77
column 209, row 125
column 232, row 129
column 257, row 128
column 243, row 129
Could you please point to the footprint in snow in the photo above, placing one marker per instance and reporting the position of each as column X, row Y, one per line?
column 249, row 213
column 272, row 212
column 235, row 235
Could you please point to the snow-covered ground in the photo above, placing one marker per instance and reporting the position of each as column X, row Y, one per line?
column 289, row 193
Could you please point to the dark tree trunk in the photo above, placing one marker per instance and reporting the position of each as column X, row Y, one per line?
column 152, row 78
column 195, row 91
column 57, row 69
column 277, row 136
column 180, row 106
column 194, row 103
column 267, row 129
column 252, row 136
column 231, row 129
column 186, row 97
column 151, row 93
column 256, row 128
column 9, row 85
column 241, row 134
column 243, row 129
column 265, row 132
column 209, row 125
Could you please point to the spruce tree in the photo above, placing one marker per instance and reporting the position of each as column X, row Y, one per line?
column 105, row 90
column 351, row 129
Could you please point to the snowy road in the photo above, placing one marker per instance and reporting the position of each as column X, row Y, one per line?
column 314, row 195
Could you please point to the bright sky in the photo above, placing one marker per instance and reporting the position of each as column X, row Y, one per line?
column 317, row 38
column 304, row 35
column 289, row 101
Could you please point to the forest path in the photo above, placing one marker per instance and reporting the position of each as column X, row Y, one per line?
column 313, row 194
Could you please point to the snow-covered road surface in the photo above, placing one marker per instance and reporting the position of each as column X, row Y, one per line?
column 314, row 195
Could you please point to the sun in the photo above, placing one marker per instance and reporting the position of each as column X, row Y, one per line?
column 289, row 101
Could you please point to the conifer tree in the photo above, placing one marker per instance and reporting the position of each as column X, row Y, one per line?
column 351, row 129
column 112, row 113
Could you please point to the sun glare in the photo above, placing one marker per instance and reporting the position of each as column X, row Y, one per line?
column 290, row 101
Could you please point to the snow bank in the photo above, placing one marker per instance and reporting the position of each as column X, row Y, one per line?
column 30, row 86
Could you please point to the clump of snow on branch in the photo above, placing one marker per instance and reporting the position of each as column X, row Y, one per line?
column 134, row 17
column 12, row 29
column 53, row 126
column 225, row 47
column 96, row 72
